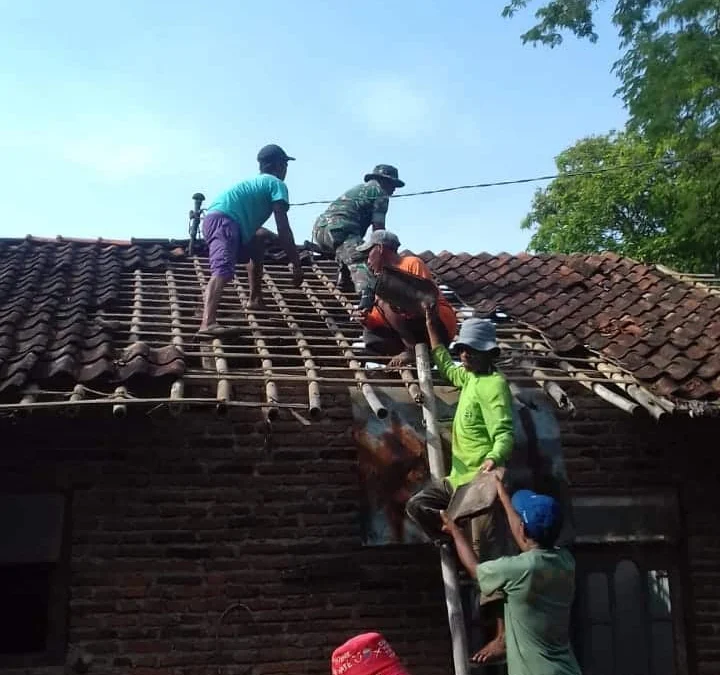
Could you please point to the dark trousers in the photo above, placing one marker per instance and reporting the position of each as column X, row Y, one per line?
column 490, row 533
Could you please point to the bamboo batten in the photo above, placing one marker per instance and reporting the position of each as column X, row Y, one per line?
column 271, row 393
column 370, row 396
column 314, row 406
column 305, row 337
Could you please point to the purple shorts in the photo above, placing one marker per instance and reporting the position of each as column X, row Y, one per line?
column 222, row 235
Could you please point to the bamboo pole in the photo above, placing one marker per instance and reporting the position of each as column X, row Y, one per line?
column 600, row 390
column 120, row 409
column 437, row 470
column 224, row 391
column 137, row 306
column 271, row 411
column 553, row 390
column 177, row 388
column 314, row 406
column 656, row 406
column 370, row 396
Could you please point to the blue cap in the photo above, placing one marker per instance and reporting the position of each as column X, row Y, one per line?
column 540, row 514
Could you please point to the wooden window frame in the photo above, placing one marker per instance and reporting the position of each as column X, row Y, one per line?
column 647, row 556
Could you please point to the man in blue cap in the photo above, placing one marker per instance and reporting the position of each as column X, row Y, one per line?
column 538, row 584
column 233, row 231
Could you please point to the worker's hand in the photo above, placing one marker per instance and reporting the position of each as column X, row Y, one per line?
column 448, row 525
column 430, row 310
column 360, row 315
column 487, row 466
column 297, row 274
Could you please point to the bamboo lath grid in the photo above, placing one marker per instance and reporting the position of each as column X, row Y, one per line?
column 307, row 337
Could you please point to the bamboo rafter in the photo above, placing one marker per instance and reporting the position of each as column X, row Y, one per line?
column 306, row 336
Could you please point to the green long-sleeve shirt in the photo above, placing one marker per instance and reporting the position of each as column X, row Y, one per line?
column 483, row 425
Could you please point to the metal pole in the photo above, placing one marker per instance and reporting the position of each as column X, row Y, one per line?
column 437, row 470
column 198, row 199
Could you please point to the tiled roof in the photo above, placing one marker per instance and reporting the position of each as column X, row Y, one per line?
column 122, row 315
column 52, row 293
column 662, row 329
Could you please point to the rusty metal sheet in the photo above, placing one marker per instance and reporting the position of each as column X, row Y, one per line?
column 393, row 464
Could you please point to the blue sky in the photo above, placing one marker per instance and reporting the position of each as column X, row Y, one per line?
column 114, row 114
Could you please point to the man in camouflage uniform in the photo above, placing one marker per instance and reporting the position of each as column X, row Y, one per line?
column 342, row 227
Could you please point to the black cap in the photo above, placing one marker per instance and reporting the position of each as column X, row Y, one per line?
column 273, row 153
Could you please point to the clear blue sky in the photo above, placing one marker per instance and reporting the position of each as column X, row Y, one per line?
column 113, row 114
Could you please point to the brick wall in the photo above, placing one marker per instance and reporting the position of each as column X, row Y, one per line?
column 175, row 521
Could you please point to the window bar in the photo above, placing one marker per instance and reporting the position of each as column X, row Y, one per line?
column 314, row 407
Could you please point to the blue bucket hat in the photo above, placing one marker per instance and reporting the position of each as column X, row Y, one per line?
column 478, row 334
column 540, row 514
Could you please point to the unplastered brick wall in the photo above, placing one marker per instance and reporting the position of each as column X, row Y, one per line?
column 608, row 451
column 190, row 527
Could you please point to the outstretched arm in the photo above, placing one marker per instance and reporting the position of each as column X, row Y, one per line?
column 514, row 521
column 287, row 241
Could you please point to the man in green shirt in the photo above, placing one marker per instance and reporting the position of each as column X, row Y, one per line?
column 341, row 228
column 482, row 440
column 538, row 584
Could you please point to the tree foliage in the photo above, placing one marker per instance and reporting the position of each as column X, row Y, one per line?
column 653, row 209
column 669, row 76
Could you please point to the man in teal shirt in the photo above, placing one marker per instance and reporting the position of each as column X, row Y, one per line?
column 233, row 231
column 538, row 584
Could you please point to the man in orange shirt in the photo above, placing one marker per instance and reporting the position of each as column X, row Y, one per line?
column 388, row 330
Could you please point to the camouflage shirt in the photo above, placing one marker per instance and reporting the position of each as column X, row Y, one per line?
column 355, row 211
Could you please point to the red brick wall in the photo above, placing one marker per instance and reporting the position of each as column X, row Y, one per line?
column 175, row 520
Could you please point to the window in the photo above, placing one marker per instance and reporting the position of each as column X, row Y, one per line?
column 627, row 618
column 33, row 578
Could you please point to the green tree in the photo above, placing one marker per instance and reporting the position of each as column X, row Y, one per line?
column 670, row 68
column 669, row 75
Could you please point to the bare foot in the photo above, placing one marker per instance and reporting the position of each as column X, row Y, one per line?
column 492, row 651
column 402, row 359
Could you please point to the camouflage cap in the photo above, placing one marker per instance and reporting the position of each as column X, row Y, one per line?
column 386, row 172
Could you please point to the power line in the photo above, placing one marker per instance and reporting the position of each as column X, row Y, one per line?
column 519, row 181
